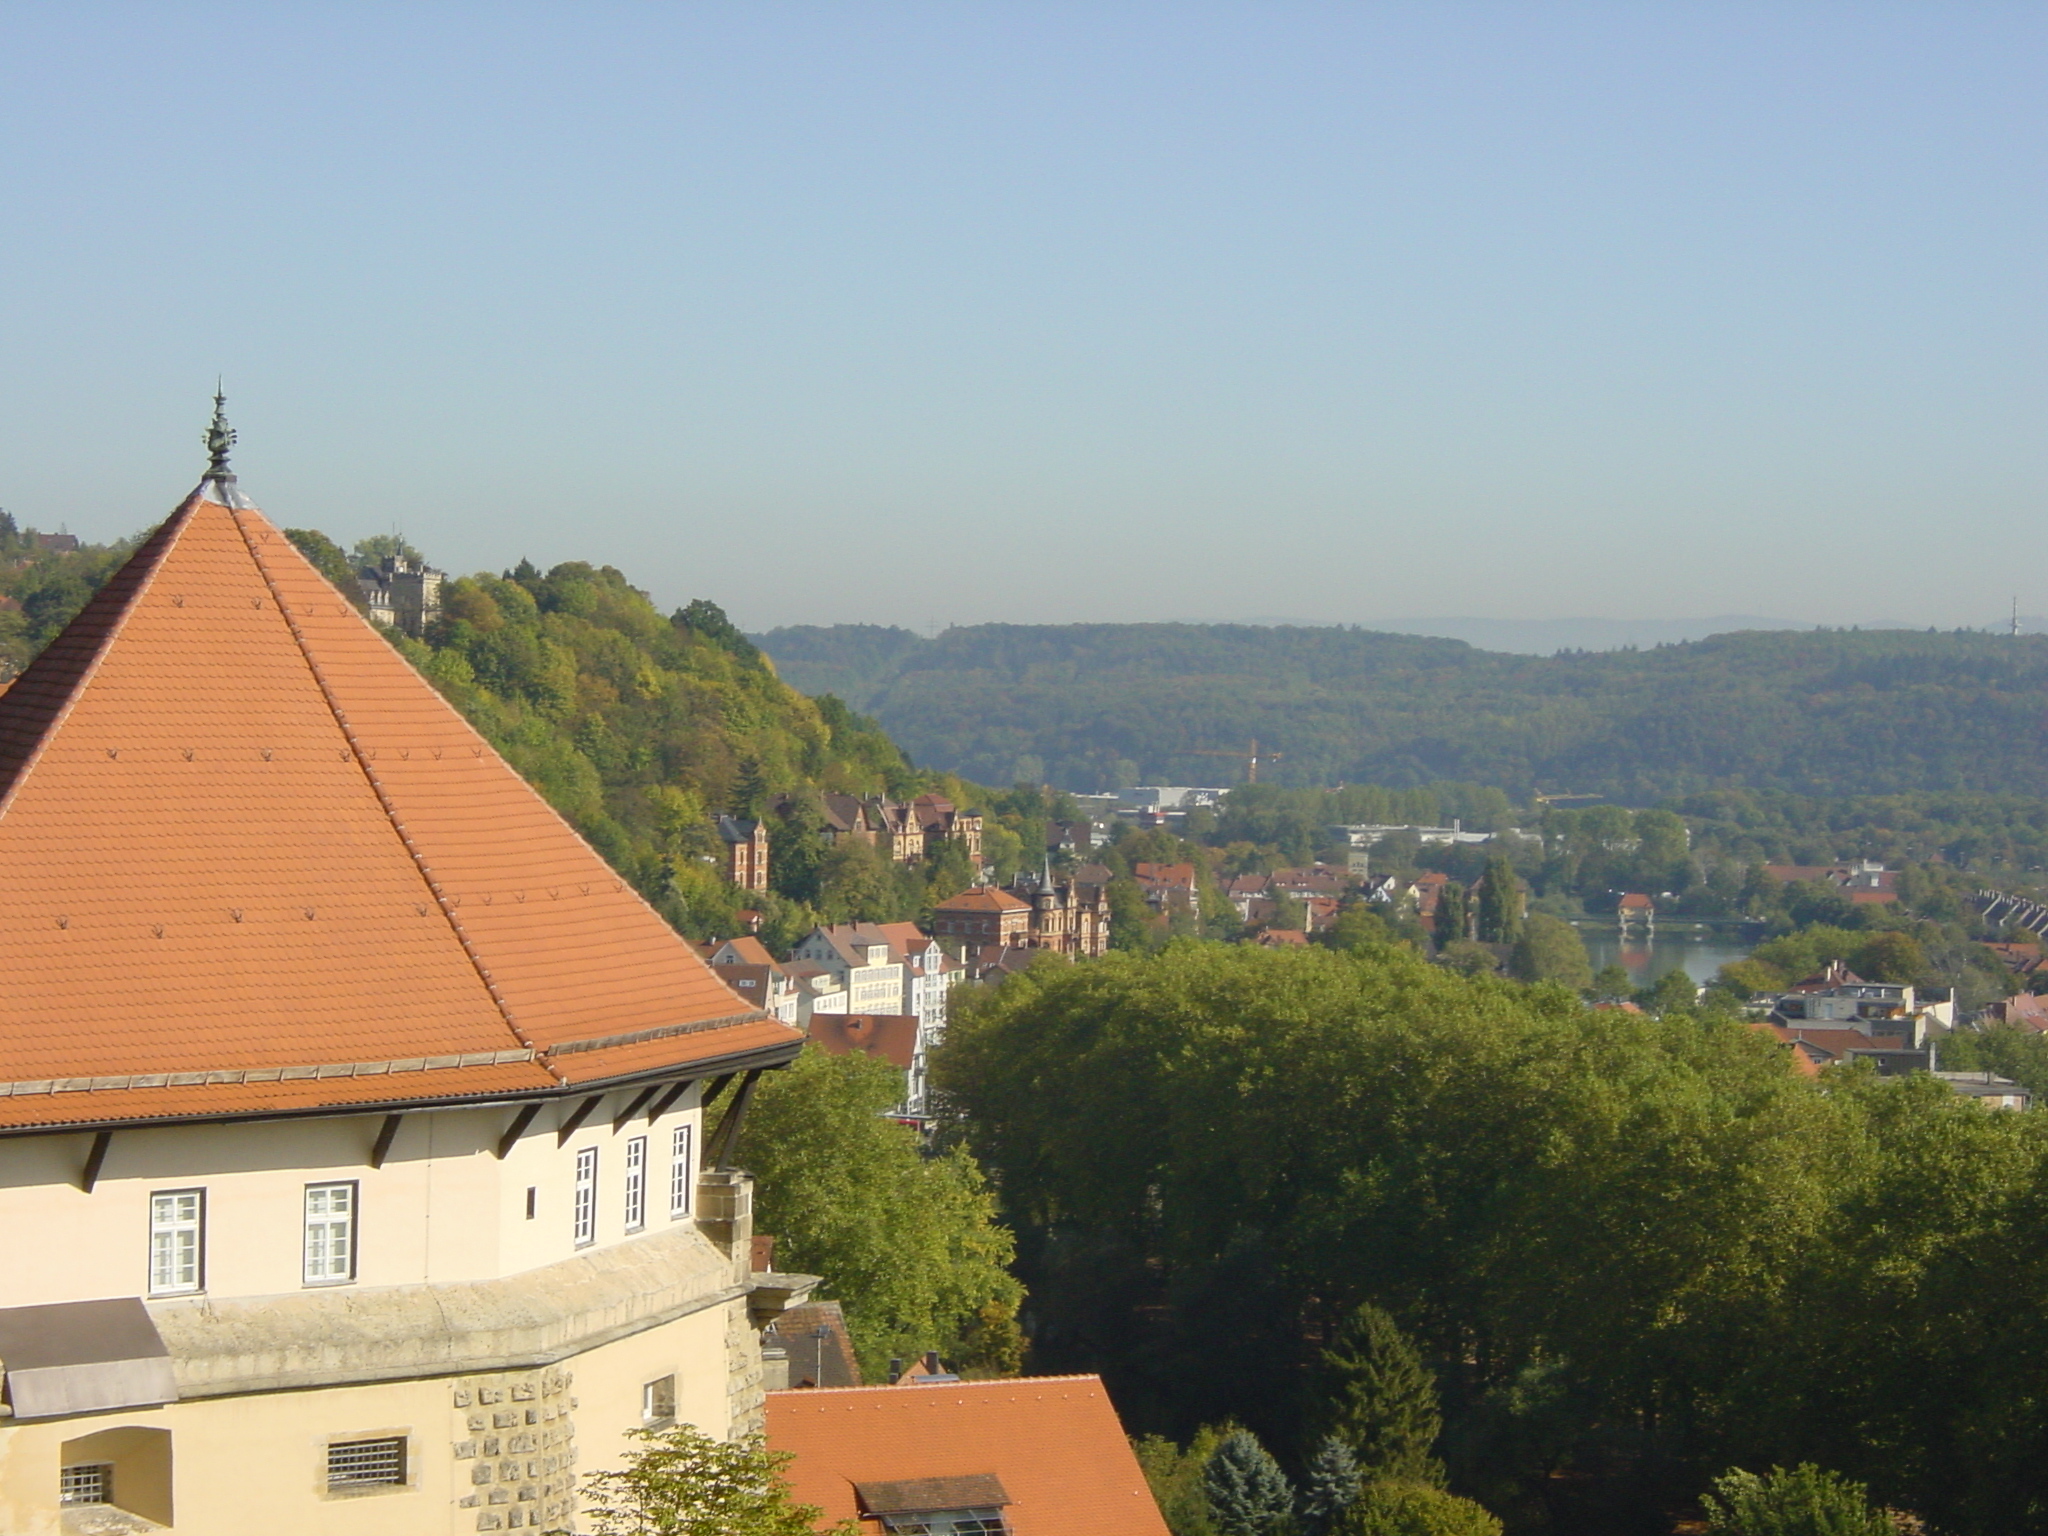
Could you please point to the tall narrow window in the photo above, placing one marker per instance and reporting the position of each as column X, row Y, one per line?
column 330, row 1233
column 679, row 1174
column 177, row 1241
column 636, row 1183
column 586, row 1196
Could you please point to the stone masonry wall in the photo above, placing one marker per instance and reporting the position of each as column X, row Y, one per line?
column 514, row 1432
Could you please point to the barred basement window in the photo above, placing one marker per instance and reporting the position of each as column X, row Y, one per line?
column 86, row 1485
column 366, row 1464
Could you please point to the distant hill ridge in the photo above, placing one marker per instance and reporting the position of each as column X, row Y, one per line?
column 1084, row 705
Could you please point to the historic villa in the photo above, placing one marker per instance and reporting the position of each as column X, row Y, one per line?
column 363, row 1138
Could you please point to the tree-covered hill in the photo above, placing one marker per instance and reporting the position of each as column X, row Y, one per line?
column 1088, row 706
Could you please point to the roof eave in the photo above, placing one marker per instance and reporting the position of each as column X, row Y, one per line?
column 763, row 1058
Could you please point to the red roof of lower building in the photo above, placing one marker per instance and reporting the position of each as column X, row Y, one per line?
column 983, row 899
column 1053, row 1444
column 890, row 1037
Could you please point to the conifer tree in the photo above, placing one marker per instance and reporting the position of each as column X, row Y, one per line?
column 1500, row 903
column 1248, row 1493
column 1331, row 1486
column 1380, row 1399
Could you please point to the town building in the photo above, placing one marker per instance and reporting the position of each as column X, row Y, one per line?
column 746, row 851
column 401, row 594
column 368, row 1142
column 860, row 958
column 1365, row 834
column 1837, row 998
column 1044, row 1456
column 1864, row 881
column 983, row 918
column 903, row 831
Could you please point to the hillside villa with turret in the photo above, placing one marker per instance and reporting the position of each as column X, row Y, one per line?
column 367, row 1142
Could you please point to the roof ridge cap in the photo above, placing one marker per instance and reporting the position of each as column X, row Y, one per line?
column 155, row 547
column 384, row 804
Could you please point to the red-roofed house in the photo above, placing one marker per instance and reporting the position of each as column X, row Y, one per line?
column 349, row 1098
column 1040, row 1456
column 983, row 917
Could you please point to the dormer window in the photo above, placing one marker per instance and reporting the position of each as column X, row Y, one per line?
column 938, row 1506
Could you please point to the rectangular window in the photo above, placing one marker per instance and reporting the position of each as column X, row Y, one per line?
column 86, row 1485
column 177, row 1241
column 586, row 1196
column 679, row 1174
column 330, row 1233
column 366, row 1464
column 636, row 1183
column 658, row 1401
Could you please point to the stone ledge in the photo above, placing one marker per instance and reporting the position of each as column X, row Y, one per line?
column 393, row 1333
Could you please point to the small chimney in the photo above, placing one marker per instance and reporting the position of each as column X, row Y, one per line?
column 895, row 1370
column 931, row 1362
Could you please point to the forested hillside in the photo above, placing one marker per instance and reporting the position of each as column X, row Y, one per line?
column 1094, row 706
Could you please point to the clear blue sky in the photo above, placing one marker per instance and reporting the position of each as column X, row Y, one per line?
column 906, row 313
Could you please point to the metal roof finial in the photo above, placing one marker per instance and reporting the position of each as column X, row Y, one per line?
column 220, row 437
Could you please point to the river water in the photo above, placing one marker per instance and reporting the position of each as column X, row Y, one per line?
column 1700, row 955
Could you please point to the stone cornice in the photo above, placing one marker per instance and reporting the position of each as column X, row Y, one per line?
column 342, row 1337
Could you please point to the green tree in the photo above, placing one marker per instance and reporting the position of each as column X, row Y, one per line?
column 680, row 1481
column 1175, row 1477
column 908, row 1243
column 1806, row 1501
column 1130, row 919
column 1248, row 1493
column 857, row 884
column 1329, row 1487
column 1891, row 957
column 1415, row 1509
column 1550, row 949
column 1611, row 984
column 1500, row 903
column 1379, row 1399
column 1453, row 914
column 1673, row 990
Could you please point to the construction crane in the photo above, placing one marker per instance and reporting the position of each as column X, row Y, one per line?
column 1250, row 759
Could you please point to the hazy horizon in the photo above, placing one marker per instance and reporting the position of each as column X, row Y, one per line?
column 918, row 314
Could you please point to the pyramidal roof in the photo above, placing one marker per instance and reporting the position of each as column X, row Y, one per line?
column 251, row 863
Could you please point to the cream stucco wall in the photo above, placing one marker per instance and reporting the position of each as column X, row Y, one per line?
column 442, row 1207
column 257, row 1463
column 464, row 1309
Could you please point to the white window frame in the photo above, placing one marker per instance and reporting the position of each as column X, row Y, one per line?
column 584, row 1207
column 325, row 1232
column 681, row 1173
column 173, row 1272
column 636, row 1183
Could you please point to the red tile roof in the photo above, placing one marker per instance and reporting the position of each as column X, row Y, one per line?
column 890, row 1037
column 1053, row 1442
column 255, row 863
column 984, row 899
